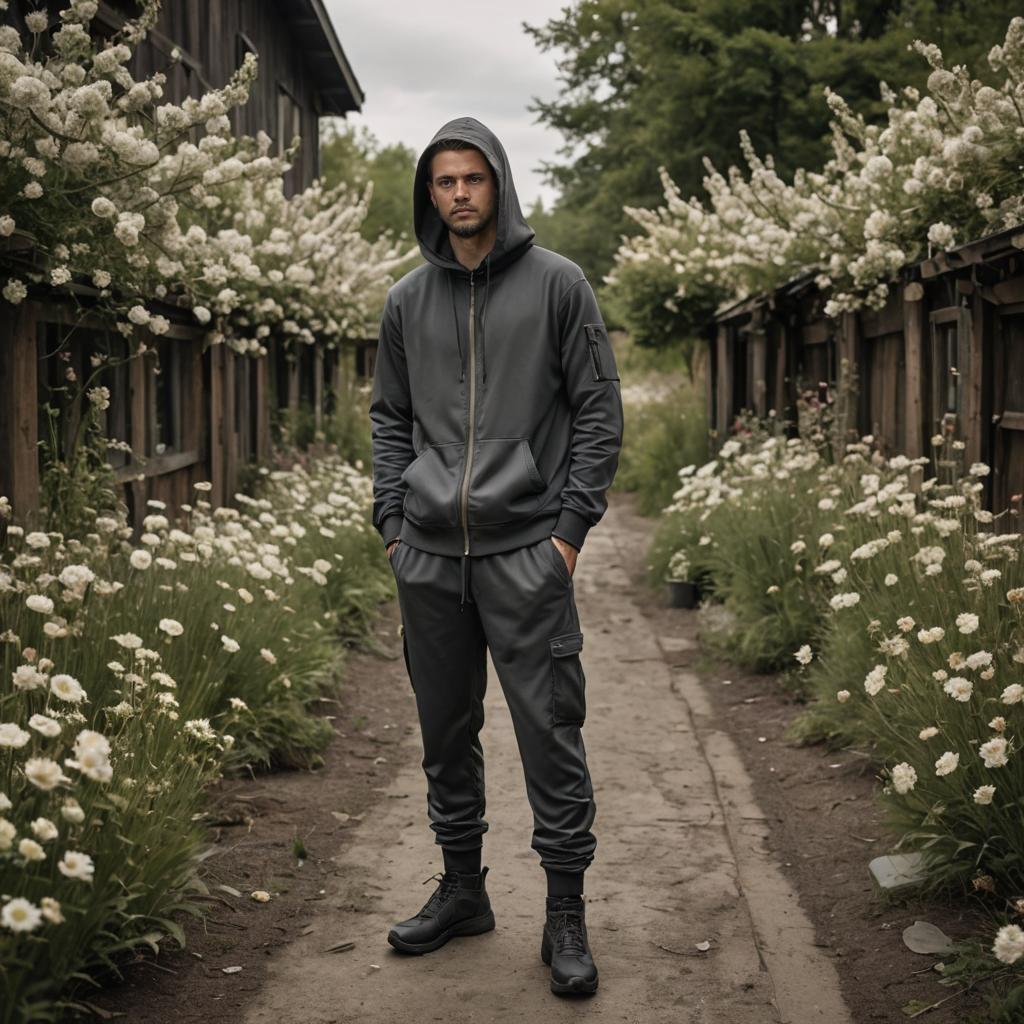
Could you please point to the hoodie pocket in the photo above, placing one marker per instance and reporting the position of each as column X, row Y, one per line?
column 432, row 486
column 505, row 484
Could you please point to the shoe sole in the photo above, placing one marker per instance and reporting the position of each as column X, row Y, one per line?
column 574, row 986
column 469, row 926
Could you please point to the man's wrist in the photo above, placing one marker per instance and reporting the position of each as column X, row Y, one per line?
column 391, row 529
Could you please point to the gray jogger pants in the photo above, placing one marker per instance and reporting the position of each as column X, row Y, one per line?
column 519, row 604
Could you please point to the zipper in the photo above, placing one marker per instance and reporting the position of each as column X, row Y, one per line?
column 595, row 353
column 471, row 428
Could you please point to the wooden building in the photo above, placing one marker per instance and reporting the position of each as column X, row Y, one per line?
column 190, row 414
column 945, row 354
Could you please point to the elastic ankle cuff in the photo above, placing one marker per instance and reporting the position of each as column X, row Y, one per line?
column 564, row 883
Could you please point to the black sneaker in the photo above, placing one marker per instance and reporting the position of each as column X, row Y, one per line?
column 565, row 947
column 459, row 906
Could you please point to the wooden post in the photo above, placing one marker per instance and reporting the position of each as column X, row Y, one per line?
column 913, row 357
column 318, row 388
column 262, row 409
column 19, row 431
column 216, row 432
column 228, row 438
column 140, row 368
column 759, row 361
column 723, row 385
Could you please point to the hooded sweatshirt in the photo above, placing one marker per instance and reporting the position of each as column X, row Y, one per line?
column 496, row 411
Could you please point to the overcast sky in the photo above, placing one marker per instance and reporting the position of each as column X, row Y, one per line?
column 421, row 64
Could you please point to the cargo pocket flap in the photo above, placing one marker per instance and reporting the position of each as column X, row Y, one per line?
column 563, row 646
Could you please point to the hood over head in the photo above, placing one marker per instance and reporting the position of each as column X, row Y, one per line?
column 515, row 236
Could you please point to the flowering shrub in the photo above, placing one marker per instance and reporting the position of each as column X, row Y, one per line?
column 943, row 170
column 106, row 182
column 130, row 676
column 902, row 605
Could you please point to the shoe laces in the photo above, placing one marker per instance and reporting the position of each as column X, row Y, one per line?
column 448, row 886
column 568, row 932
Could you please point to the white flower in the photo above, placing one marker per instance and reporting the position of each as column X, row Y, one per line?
column 67, row 688
column 843, row 696
column 51, row 910
column 979, row 659
column 7, row 834
column 928, row 733
column 39, row 603
column 905, row 624
column 967, row 622
column 76, row 865
column 44, row 773
column 931, row 636
column 798, row 547
column 28, row 677
column 847, row 600
column 5, row 803
column 994, row 752
column 891, row 579
column 984, row 794
column 959, row 688
column 44, row 725
column 238, row 704
column 904, row 778
column 172, row 627
column 268, row 656
column 14, row 291
column 875, row 679
column 140, row 558
column 44, row 829
column 1009, row 945
column 826, row 540
column 37, row 540
column 229, row 645
column 1013, row 694
column 12, row 735
column 804, row 655
column 19, row 915
column 31, row 850
column 200, row 728
column 947, row 764
column 130, row 641
column 72, row 811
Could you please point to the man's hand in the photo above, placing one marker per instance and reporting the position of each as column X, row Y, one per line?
column 568, row 552
column 391, row 547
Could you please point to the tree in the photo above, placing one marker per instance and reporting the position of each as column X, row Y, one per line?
column 354, row 155
column 650, row 83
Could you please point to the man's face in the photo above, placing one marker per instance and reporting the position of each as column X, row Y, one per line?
column 463, row 190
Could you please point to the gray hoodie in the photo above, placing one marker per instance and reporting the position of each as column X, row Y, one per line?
column 496, row 412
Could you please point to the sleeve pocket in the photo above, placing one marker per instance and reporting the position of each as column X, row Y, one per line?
column 568, row 700
column 601, row 352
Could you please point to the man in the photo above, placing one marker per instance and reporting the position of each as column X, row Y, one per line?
column 497, row 422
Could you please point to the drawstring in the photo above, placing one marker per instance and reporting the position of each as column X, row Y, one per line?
column 458, row 333
column 483, row 309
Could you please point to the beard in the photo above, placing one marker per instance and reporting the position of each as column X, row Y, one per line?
column 468, row 230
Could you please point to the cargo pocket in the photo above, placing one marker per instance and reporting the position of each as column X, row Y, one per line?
column 568, row 702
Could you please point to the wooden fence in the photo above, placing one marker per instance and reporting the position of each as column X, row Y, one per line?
column 188, row 414
column 945, row 354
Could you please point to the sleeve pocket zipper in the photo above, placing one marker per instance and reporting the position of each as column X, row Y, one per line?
column 595, row 332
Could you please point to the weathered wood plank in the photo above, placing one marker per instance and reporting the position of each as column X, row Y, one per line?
column 19, row 452
column 913, row 356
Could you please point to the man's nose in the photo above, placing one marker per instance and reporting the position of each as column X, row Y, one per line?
column 461, row 189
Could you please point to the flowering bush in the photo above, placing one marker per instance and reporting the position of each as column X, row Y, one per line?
column 943, row 170
column 131, row 677
column 104, row 181
column 902, row 605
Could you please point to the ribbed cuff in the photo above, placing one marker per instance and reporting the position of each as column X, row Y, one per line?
column 390, row 528
column 572, row 528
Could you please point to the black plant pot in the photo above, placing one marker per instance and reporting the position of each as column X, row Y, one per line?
column 683, row 594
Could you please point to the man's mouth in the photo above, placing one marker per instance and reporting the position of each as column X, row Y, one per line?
column 462, row 210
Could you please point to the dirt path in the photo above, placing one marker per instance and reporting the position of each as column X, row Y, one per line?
column 681, row 860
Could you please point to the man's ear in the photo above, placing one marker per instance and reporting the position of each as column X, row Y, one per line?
column 430, row 192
